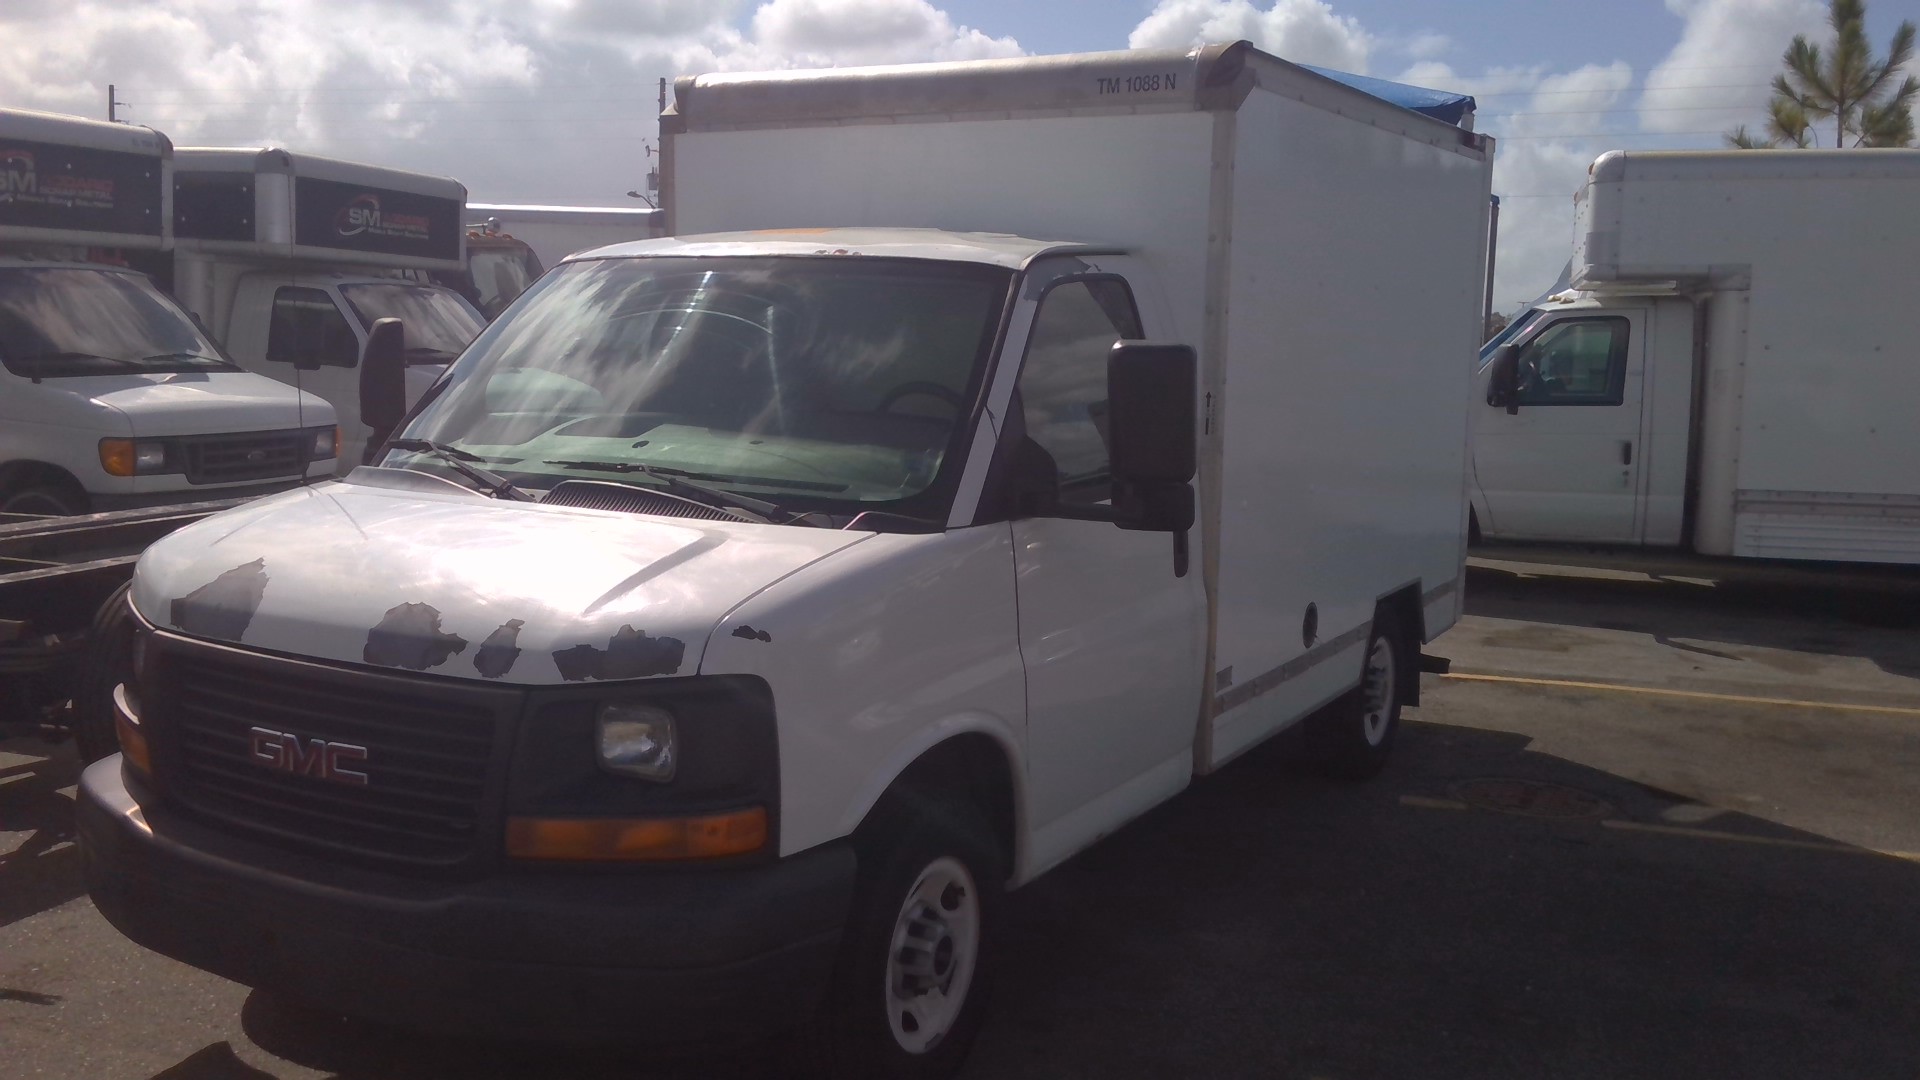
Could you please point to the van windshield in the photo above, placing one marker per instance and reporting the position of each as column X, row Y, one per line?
column 438, row 325
column 829, row 383
column 61, row 322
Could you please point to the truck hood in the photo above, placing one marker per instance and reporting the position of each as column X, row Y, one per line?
column 426, row 577
column 201, row 402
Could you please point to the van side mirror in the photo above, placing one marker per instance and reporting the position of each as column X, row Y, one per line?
column 1152, row 443
column 383, row 382
column 1503, row 382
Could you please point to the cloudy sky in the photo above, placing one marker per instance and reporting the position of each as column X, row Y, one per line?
column 554, row 100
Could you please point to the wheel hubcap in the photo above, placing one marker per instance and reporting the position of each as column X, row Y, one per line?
column 1378, row 690
column 936, row 945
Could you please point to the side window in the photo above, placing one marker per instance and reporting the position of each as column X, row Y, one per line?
column 1576, row 362
column 1063, row 384
column 308, row 329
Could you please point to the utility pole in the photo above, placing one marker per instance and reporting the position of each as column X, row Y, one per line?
column 663, row 93
column 113, row 107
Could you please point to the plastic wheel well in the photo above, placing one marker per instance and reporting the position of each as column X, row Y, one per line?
column 1409, row 614
column 970, row 770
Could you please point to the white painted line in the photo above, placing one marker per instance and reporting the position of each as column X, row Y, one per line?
column 1698, row 695
column 1768, row 841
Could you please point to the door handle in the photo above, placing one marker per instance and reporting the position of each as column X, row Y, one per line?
column 1626, row 451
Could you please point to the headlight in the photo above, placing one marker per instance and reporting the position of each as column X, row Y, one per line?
column 637, row 740
column 326, row 443
column 132, row 457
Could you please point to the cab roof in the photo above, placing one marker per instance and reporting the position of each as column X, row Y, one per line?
column 993, row 249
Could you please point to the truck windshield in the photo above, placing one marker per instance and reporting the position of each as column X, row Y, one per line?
column 823, row 383
column 59, row 322
column 438, row 325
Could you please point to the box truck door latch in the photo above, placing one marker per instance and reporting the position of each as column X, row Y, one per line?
column 1626, row 451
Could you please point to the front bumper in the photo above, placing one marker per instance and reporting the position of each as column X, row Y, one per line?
column 641, row 955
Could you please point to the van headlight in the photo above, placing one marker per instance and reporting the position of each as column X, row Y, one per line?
column 636, row 739
column 326, row 443
column 133, row 457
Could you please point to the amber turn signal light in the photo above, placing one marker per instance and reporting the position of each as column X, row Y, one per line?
column 713, row 836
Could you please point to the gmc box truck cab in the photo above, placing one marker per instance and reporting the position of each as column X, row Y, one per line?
column 1732, row 371
column 110, row 396
column 744, row 613
column 291, row 258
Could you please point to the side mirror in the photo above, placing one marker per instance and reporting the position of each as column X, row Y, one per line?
column 1151, row 438
column 383, row 382
column 1503, row 383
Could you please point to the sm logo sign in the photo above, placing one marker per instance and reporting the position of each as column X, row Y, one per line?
column 358, row 216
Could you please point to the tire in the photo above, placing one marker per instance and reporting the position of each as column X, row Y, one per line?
column 108, row 661
column 48, row 499
column 1353, row 738
column 929, row 878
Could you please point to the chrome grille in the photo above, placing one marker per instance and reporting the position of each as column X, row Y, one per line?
column 259, row 455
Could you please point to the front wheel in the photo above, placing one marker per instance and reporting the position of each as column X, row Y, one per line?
column 909, row 989
column 43, row 499
column 1353, row 737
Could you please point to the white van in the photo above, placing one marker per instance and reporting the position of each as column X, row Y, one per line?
column 744, row 613
column 290, row 258
column 110, row 395
column 1732, row 371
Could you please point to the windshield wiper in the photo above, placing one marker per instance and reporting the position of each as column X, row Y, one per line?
column 674, row 480
column 458, row 460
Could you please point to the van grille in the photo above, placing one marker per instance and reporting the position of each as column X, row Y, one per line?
column 259, row 455
column 430, row 757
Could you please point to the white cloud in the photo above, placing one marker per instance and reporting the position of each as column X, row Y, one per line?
column 1304, row 31
column 1717, row 74
column 523, row 100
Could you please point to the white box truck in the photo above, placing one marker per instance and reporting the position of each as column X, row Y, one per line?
column 555, row 231
column 290, row 258
column 1733, row 370
column 110, row 396
column 745, row 612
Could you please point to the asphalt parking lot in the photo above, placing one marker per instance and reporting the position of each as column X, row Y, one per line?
column 1647, row 827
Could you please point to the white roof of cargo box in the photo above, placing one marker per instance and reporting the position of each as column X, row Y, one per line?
column 61, row 130
column 274, row 159
column 1620, row 165
column 1207, row 78
column 994, row 249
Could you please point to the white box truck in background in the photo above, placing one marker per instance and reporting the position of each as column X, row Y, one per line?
column 555, row 232
column 110, row 396
column 849, row 568
column 1734, row 371
column 291, row 257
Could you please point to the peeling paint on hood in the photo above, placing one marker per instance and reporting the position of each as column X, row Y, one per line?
column 407, row 579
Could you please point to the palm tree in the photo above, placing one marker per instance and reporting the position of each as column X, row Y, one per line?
column 1842, row 84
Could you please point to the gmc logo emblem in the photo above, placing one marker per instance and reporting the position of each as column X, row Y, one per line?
column 286, row 752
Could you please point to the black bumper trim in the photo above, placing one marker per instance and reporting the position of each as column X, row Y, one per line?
column 644, row 956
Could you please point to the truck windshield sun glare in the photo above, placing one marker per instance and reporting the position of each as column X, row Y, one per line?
column 829, row 385
column 66, row 321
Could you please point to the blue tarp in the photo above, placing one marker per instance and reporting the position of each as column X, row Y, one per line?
column 1439, row 104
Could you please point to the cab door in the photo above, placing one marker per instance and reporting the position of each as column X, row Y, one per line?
column 1567, row 463
column 1112, row 623
column 312, row 344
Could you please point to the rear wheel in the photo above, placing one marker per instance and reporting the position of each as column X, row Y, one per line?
column 909, row 989
column 1353, row 737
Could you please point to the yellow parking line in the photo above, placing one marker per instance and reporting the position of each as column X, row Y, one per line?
column 1741, row 838
column 1740, row 699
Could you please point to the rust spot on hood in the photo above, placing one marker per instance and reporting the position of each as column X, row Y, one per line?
column 630, row 654
column 498, row 653
column 223, row 607
column 409, row 636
